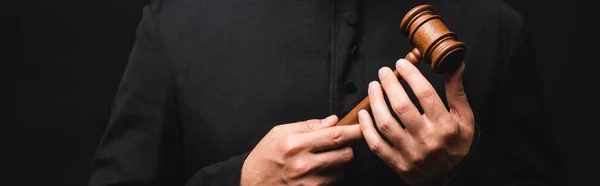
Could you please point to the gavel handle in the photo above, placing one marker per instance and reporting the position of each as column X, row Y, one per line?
column 352, row 117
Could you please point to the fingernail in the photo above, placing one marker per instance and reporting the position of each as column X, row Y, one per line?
column 362, row 114
column 401, row 63
column 328, row 119
column 371, row 86
column 382, row 72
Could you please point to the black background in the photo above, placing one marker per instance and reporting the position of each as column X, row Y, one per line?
column 75, row 51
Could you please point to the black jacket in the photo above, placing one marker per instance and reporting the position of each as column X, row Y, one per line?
column 206, row 80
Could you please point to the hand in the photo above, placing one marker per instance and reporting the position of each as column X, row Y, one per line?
column 430, row 145
column 303, row 153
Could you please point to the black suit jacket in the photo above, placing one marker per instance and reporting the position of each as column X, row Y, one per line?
column 206, row 80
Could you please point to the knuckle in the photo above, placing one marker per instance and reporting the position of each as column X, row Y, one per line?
column 459, row 92
column 291, row 147
column 384, row 125
column 387, row 82
column 418, row 160
column 375, row 148
column 450, row 131
column 433, row 146
column 297, row 168
column 403, row 167
column 427, row 92
column 401, row 107
column 438, row 118
column 442, row 119
column 310, row 124
column 384, row 81
column 336, row 136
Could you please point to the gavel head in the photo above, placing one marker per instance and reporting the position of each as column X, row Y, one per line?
column 431, row 38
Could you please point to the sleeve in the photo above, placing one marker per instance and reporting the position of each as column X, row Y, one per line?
column 514, row 147
column 142, row 144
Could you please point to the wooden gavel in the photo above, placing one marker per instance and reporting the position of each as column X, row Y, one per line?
column 433, row 43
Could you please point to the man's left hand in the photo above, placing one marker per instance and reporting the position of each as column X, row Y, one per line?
column 431, row 144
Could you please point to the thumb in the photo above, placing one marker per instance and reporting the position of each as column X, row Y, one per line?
column 455, row 94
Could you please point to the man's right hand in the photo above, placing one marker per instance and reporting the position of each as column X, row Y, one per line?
column 303, row 153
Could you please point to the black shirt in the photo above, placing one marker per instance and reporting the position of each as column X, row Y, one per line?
column 206, row 80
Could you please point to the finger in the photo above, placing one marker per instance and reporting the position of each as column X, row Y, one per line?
column 377, row 145
column 306, row 170
column 327, row 177
column 336, row 175
column 386, row 123
column 314, row 124
column 331, row 137
column 327, row 122
column 399, row 101
column 318, row 162
column 333, row 158
column 428, row 98
column 455, row 94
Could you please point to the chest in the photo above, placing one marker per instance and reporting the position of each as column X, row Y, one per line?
column 239, row 73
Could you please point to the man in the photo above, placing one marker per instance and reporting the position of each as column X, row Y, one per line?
column 248, row 93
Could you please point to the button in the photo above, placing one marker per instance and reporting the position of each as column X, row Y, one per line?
column 351, row 19
column 350, row 87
